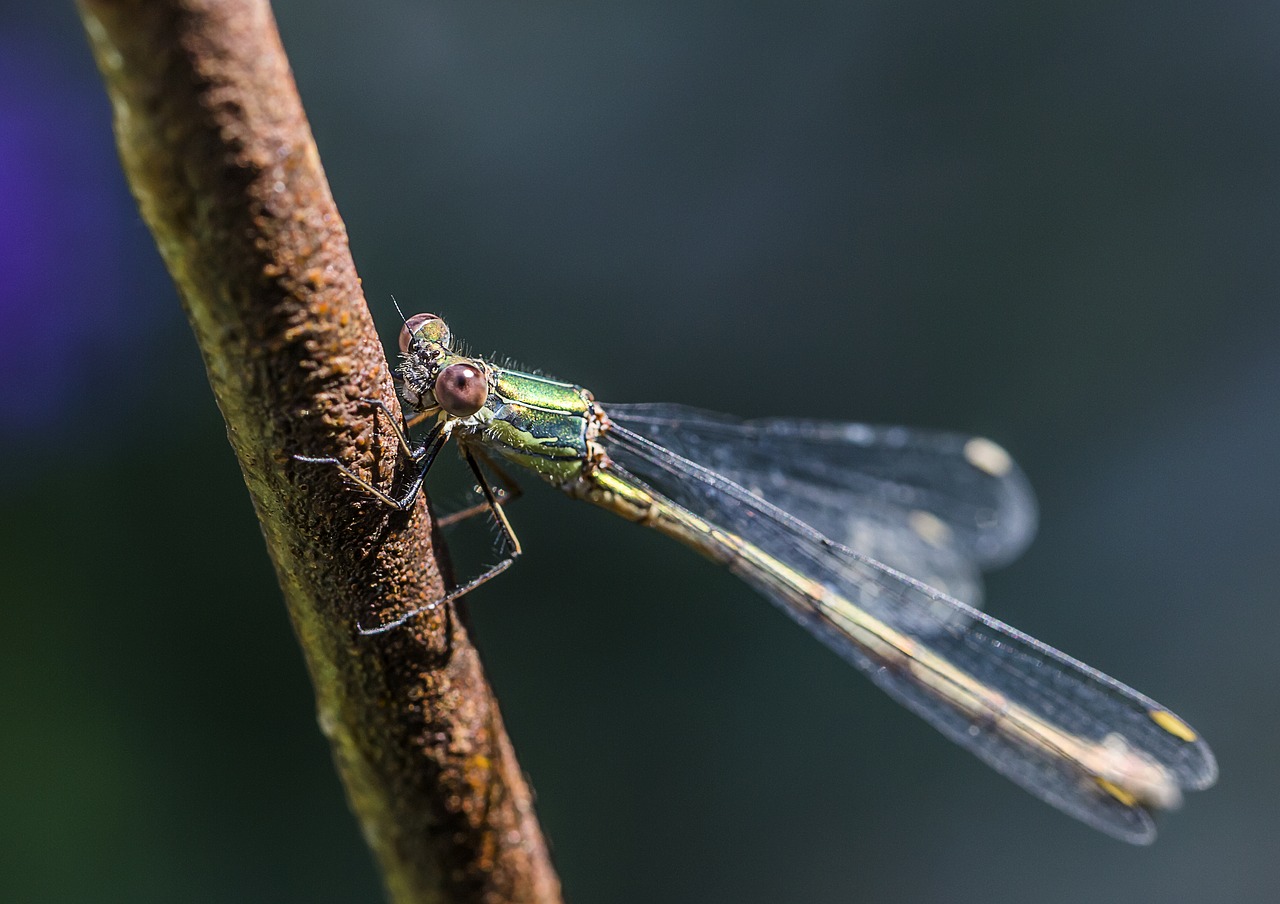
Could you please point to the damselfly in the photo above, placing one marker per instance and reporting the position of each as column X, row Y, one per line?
column 869, row 537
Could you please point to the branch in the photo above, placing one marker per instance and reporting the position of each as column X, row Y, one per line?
column 218, row 152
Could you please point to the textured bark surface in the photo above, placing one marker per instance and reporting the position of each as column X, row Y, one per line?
column 219, row 155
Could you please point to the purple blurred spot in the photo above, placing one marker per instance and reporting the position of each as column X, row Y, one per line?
column 79, row 292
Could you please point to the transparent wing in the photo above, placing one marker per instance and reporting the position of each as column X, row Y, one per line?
column 938, row 506
column 1072, row 736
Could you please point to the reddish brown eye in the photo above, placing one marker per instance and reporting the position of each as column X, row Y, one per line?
column 411, row 326
column 461, row 389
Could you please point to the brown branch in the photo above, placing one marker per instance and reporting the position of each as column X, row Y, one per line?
column 221, row 159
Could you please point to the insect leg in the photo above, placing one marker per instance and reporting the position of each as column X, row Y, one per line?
column 509, row 537
column 510, row 492
column 419, row 418
column 402, row 434
column 422, row 456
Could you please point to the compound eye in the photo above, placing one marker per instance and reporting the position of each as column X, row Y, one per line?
column 423, row 328
column 461, row 389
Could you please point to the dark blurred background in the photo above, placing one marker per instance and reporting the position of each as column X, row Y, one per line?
column 1053, row 224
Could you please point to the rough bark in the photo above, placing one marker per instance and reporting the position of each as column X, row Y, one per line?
column 220, row 157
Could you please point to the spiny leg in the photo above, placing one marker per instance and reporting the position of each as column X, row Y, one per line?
column 510, row 493
column 423, row 456
column 509, row 536
column 402, row 436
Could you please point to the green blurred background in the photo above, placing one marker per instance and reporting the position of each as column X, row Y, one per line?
column 1055, row 224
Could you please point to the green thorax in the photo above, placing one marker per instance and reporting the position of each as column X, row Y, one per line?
column 537, row 423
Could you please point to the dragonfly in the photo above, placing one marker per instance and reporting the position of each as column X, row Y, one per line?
column 869, row 537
